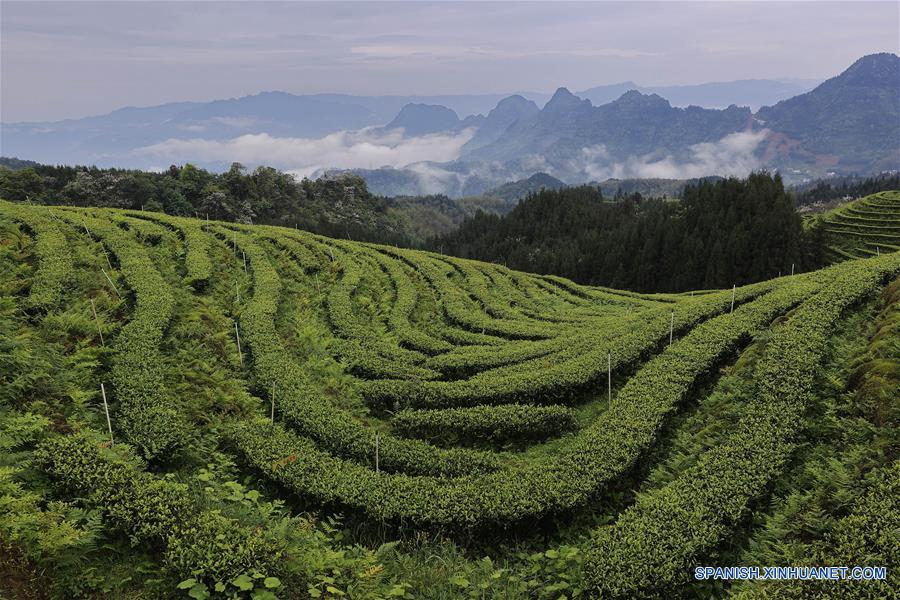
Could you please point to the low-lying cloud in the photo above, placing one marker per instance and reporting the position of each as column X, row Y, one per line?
column 427, row 161
column 735, row 154
column 364, row 149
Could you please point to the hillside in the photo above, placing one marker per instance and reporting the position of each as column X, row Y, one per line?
column 862, row 228
column 850, row 123
column 255, row 375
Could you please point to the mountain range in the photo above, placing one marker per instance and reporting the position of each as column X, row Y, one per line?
column 847, row 124
column 466, row 144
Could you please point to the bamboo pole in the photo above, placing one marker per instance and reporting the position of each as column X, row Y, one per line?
column 609, row 377
column 238, row 335
column 112, row 284
column 97, row 320
column 106, row 409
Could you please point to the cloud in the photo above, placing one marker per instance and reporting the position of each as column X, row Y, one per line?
column 734, row 154
column 364, row 149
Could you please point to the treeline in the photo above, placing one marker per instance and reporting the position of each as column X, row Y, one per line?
column 732, row 231
column 335, row 206
column 850, row 187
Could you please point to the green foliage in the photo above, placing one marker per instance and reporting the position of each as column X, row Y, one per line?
column 156, row 511
column 460, row 414
column 55, row 263
column 304, row 407
column 719, row 233
column 147, row 416
column 866, row 227
column 654, row 543
column 492, row 426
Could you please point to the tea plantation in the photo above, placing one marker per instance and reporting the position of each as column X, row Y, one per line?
column 192, row 408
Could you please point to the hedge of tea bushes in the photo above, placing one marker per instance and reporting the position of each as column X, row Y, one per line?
column 54, row 260
column 146, row 415
column 562, row 376
column 654, row 544
column 307, row 408
column 157, row 512
column 494, row 426
column 196, row 258
column 530, row 489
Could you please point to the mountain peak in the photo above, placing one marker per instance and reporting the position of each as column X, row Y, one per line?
column 422, row 119
column 563, row 99
column 636, row 98
column 873, row 70
column 515, row 102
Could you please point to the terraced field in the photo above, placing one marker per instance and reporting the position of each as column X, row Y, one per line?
column 864, row 227
column 563, row 440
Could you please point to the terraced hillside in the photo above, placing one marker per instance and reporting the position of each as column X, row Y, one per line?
column 864, row 227
column 516, row 435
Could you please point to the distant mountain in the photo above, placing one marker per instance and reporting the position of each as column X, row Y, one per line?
column 508, row 111
column 746, row 92
column 456, row 179
column 422, row 119
column 849, row 123
column 575, row 140
column 109, row 139
column 514, row 191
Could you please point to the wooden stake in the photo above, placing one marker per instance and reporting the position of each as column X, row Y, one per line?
column 238, row 336
column 108, row 420
column 733, row 288
column 112, row 284
column 792, row 269
column 377, row 437
column 237, row 288
column 97, row 320
column 671, row 327
column 273, row 402
column 609, row 376
column 108, row 264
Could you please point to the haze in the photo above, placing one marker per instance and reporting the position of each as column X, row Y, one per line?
column 72, row 59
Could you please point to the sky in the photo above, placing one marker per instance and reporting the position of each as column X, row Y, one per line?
column 72, row 59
